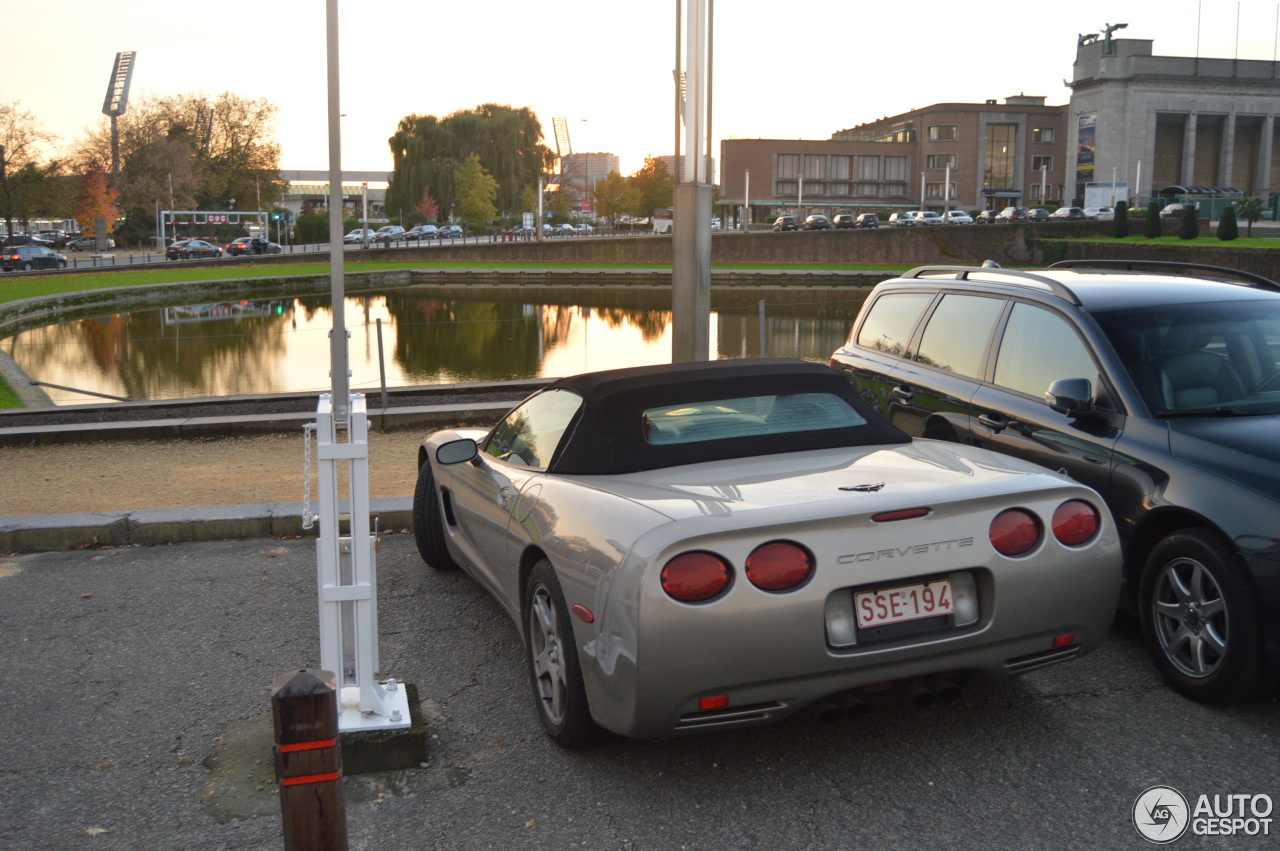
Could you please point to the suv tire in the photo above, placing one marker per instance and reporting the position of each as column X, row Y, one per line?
column 1200, row 618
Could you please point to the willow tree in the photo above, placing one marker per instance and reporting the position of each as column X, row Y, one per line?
column 427, row 153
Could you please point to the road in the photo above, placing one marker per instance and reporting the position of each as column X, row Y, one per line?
column 122, row 668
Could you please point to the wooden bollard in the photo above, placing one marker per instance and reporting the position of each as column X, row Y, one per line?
column 304, row 707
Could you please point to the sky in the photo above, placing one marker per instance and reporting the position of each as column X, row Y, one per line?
column 792, row 71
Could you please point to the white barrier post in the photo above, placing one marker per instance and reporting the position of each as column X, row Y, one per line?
column 346, row 567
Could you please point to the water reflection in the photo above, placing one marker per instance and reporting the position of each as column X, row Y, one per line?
column 429, row 336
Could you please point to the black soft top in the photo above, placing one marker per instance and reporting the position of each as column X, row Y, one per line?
column 607, row 434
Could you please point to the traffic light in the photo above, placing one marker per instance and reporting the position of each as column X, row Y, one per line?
column 275, row 217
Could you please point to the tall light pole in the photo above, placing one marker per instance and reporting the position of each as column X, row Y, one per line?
column 746, row 202
column 691, row 237
column 115, row 103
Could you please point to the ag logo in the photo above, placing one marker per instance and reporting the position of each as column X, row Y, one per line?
column 1161, row 814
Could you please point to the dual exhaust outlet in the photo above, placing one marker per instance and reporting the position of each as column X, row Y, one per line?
column 924, row 693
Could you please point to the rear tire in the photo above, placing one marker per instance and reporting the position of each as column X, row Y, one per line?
column 428, row 522
column 1200, row 618
column 554, row 671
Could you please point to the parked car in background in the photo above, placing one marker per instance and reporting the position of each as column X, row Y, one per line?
column 957, row 217
column 251, row 245
column 389, row 234
column 1170, row 211
column 1102, row 214
column 985, row 217
column 24, row 258
column 23, row 239
column 843, row 221
column 89, row 243
column 191, row 249
column 1037, row 214
column 868, row 220
column 901, row 220
column 928, row 217
column 842, row 555
column 585, row 229
column 1069, row 214
column 817, row 222
column 786, row 223
column 1012, row 214
column 1156, row 384
column 358, row 236
column 421, row 232
column 451, row 232
column 54, row 238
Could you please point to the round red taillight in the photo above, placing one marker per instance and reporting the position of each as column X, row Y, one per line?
column 779, row 566
column 694, row 577
column 1075, row 522
column 1014, row 531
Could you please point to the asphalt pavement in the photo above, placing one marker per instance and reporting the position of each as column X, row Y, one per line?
column 134, row 688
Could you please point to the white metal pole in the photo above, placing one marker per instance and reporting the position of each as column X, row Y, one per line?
column 800, row 193
column 364, row 215
column 695, row 169
column 1044, row 182
column 1113, row 187
column 1137, row 183
column 746, row 201
column 338, row 336
column 946, row 190
column 922, row 174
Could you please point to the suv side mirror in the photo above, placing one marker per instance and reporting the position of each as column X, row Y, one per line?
column 1071, row 396
column 457, row 451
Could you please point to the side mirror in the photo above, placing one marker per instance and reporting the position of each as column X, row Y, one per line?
column 457, row 451
column 1072, row 396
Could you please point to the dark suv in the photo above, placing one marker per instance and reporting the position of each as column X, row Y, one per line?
column 1156, row 384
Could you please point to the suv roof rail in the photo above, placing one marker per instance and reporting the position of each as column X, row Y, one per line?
column 962, row 273
column 1242, row 277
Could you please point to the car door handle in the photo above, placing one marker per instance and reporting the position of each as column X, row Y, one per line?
column 505, row 495
column 902, row 393
column 995, row 422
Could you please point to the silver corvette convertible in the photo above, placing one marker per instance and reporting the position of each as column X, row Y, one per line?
column 703, row 546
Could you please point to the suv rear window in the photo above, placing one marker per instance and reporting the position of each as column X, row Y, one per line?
column 891, row 320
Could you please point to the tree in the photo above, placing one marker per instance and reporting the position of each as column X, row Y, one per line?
column 476, row 193
column 427, row 207
column 1190, row 228
column 1227, row 227
column 1152, row 228
column 611, row 196
column 1120, row 225
column 428, row 152
column 1250, row 209
column 215, row 149
column 95, row 200
column 653, row 185
column 23, row 140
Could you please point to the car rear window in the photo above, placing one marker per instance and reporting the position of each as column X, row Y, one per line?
column 749, row 416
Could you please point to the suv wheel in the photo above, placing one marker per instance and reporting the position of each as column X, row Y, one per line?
column 1200, row 618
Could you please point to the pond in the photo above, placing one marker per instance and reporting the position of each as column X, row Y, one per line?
column 429, row 335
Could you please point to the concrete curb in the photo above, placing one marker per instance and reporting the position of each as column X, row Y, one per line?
column 44, row 532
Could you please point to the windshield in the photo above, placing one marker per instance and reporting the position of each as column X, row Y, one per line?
column 1194, row 359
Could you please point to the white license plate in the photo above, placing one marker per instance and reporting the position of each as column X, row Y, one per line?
column 904, row 603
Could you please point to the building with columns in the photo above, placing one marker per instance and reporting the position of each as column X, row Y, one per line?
column 1164, row 123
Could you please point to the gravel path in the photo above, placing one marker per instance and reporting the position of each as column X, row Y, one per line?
column 90, row 477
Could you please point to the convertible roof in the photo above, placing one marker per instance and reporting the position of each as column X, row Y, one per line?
column 608, row 434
